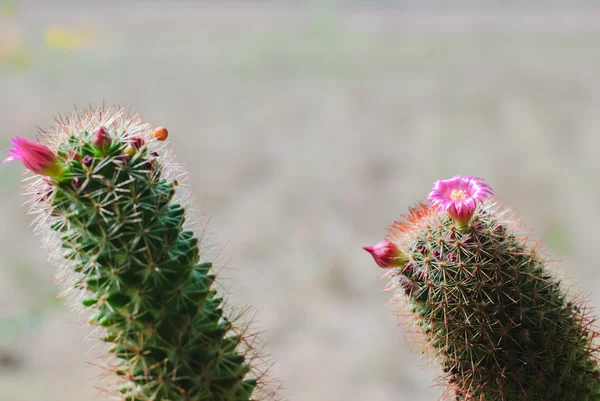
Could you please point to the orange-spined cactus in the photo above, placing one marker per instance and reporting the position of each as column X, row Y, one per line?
column 482, row 298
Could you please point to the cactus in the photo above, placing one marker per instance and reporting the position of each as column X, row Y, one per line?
column 110, row 205
column 482, row 298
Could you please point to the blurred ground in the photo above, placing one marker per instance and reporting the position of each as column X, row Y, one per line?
column 306, row 131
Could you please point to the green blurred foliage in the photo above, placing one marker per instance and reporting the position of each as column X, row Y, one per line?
column 7, row 181
column 42, row 295
column 7, row 8
column 13, row 52
column 42, row 299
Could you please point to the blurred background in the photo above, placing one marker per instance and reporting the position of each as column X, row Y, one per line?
column 307, row 128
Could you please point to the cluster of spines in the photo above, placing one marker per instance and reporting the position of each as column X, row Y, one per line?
column 501, row 325
column 139, row 269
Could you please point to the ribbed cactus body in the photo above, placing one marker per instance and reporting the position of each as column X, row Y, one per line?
column 501, row 325
column 140, row 271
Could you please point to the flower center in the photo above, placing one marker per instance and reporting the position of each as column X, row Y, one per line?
column 458, row 195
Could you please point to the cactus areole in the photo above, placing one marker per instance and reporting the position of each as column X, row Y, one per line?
column 111, row 209
column 482, row 299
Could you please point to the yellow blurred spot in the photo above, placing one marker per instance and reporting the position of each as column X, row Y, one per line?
column 13, row 52
column 20, row 58
column 60, row 38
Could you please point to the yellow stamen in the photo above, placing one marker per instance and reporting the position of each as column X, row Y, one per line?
column 457, row 195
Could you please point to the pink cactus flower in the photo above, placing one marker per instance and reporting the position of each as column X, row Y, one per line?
column 35, row 157
column 386, row 254
column 458, row 196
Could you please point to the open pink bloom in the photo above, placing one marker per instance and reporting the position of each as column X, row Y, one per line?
column 458, row 196
column 386, row 254
column 35, row 157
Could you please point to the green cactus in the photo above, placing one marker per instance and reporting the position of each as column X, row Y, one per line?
column 501, row 325
column 113, row 204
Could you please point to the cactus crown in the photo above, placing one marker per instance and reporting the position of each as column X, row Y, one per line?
column 116, row 222
column 481, row 297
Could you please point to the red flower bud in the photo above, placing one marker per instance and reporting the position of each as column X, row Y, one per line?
column 100, row 137
column 386, row 254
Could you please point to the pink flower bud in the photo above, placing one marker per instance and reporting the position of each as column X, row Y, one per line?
column 100, row 137
column 386, row 254
column 136, row 142
column 87, row 160
column 73, row 155
column 35, row 157
column 76, row 182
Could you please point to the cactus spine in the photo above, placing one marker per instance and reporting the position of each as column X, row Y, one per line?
column 117, row 215
column 481, row 296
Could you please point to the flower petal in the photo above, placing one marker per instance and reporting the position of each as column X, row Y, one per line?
column 458, row 196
